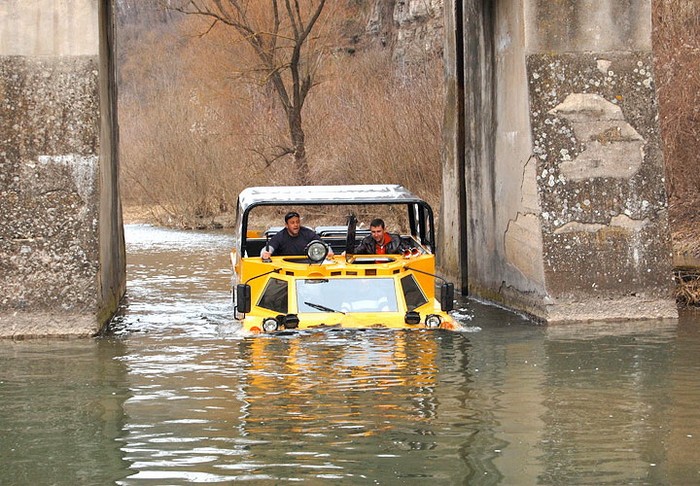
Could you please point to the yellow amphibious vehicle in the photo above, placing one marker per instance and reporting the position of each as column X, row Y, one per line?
column 343, row 290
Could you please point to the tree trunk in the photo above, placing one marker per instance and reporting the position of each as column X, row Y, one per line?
column 301, row 164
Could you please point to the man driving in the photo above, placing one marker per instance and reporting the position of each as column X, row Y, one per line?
column 291, row 240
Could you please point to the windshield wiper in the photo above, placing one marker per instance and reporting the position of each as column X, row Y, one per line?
column 322, row 307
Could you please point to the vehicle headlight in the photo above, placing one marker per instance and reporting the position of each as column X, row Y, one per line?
column 412, row 317
column 316, row 251
column 270, row 324
column 291, row 321
column 433, row 321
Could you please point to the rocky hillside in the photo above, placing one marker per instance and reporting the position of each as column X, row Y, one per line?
column 412, row 29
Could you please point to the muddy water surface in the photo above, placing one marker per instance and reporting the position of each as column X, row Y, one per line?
column 177, row 396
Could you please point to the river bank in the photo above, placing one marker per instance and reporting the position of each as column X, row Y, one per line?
column 159, row 216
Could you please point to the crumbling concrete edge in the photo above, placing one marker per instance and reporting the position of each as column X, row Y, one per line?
column 617, row 309
column 30, row 325
column 547, row 311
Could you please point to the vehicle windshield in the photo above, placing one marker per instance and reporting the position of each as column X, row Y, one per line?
column 347, row 295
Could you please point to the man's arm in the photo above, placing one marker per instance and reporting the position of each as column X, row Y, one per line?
column 267, row 251
column 395, row 246
column 364, row 247
column 272, row 243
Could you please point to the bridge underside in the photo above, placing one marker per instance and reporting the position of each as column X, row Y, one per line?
column 553, row 183
column 553, row 194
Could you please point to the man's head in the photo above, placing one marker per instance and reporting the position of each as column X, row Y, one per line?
column 292, row 222
column 376, row 228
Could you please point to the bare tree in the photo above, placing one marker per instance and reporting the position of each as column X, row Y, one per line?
column 288, row 55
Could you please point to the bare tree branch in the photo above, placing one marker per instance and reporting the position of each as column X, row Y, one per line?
column 280, row 38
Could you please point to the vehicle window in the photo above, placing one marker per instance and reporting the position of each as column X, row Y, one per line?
column 412, row 292
column 275, row 296
column 347, row 295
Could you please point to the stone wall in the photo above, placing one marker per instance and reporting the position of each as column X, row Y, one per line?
column 61, row 240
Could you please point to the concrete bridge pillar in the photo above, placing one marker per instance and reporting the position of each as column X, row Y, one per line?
column 553, row 185
column 62, row 262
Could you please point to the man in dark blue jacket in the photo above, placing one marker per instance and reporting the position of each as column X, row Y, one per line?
column 291, row 240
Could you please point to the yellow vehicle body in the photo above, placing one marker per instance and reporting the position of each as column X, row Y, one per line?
column 396, row 291
column 292, row 269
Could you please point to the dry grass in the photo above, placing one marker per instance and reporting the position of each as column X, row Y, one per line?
column 677, row 57
column 374, row 124
column 196, row 129
column 676, row 41
column 190, row 130
column 687, row 287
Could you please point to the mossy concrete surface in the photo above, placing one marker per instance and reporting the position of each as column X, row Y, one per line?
column 48, row 184
column 61, row 240
column 605, row 234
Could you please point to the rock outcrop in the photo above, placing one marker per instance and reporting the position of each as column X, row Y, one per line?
column 413, row 29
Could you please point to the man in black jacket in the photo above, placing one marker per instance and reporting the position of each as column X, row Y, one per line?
column 292, row 240
column 378, row 242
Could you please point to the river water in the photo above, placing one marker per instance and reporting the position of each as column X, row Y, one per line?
column 174, row 395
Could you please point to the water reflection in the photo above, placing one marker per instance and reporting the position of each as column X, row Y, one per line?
column 178, row 396
column 61, row 413
column 607, row 386
column 340, row 405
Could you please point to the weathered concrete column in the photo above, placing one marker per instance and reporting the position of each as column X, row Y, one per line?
column 566, row 211
column 62, row 261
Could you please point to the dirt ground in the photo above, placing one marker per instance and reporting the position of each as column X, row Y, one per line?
column 159, row 217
